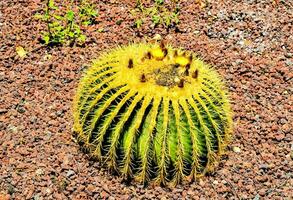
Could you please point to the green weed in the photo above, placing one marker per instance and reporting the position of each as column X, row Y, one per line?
column 87, row 13
column 64, row 25
column 159, row 13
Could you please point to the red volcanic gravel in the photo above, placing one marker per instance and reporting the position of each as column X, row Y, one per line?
column 249, row 42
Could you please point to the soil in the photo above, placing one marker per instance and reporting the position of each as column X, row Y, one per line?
column 249, row 42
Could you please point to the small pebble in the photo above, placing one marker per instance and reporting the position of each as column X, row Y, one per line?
column 157, row 37
column 39, row 172
column 257, row 197
column 236, row 149
column 70, row 173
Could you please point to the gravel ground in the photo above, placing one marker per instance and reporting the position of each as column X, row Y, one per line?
column 249, row 42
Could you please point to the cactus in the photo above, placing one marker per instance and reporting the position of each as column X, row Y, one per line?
column 153, row 112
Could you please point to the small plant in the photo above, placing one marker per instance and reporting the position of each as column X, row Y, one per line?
column 159, row 13
column 138, row 23
column 63, row 25
column 87, row 13
column 150, row 111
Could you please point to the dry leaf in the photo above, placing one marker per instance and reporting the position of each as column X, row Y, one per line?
column 20, row 51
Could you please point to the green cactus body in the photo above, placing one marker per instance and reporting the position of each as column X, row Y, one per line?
column 153, row 112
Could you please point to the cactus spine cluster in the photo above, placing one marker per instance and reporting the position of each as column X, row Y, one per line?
column 152, row 112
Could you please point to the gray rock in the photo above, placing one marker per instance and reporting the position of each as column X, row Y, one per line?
column 70, row 173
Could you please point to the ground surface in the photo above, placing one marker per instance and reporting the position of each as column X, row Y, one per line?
column 249, row 43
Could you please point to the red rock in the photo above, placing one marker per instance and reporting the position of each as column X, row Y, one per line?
column 30, row 193
column 279, row 137
column 262, row 192
column 91, row 188
column 104, row 194
column 4, row 197
column 286, row 128
column 275, row 127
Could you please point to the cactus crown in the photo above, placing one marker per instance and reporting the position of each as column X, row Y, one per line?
column 150, row 111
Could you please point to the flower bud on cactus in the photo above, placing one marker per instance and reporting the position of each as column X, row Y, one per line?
column 151, row 112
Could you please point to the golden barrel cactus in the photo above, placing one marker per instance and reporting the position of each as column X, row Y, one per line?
column 153, row 112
